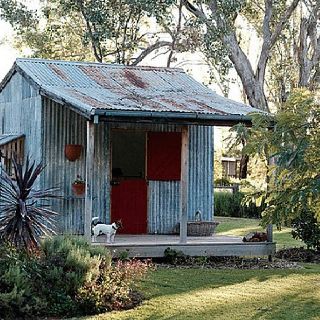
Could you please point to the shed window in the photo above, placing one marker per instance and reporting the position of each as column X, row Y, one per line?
column 11, row 145
column 164, row 156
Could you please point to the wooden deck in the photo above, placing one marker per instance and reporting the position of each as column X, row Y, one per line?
column 154, row 246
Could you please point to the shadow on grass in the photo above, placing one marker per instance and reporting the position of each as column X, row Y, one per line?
column 203, row 294
column 177, row 281
column 281, row 294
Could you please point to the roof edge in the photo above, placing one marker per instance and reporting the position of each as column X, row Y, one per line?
column 110, row 65
column 8, row 76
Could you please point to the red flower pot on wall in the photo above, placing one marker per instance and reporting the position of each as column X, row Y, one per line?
column 73, row 151
column 78, row 189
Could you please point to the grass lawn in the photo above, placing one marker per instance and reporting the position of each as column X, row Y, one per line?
column 224, row 294
column 198, row 294
column 241, row 226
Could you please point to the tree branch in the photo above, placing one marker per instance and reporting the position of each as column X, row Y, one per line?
column 269, row 39
column 194, row 10
column 281, row 24
column 149, row 50
column 175, row 34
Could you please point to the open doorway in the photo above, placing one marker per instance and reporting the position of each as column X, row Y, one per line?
column 129, row 187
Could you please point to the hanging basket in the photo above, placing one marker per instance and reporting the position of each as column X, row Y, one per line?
column 72, row 151
column 79, row 189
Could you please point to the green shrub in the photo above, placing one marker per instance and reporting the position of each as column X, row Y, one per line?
column 229, row 204
column 307, row 228
column 175, row 257
column 222, row 182
column 69, row 277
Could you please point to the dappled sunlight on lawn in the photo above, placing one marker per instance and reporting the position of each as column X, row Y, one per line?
column 240, row 231
column 242, row 226
column 261, row 297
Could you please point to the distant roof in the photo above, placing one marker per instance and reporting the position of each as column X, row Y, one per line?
column 6, row 138
column 117, row 90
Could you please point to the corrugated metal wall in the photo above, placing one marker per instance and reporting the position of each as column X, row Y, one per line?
column 201, row 172
column 63, row 126
column 20, row 112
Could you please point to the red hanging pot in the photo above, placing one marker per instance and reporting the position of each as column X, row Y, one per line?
column 78, row 189
column 72, row 151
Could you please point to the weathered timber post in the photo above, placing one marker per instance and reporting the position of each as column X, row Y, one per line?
column 184, row 184
column 270, row 237
column 89, row 180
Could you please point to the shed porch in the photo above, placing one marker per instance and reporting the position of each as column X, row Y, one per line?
column 153, row 246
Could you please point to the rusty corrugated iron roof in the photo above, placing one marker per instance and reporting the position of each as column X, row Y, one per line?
column 95, row 88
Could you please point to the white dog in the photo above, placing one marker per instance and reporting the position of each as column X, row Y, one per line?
column 109, row 230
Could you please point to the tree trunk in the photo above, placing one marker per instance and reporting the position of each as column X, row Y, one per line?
column 243, row 166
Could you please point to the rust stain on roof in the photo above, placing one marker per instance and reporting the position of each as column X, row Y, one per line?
column 205, row 107
column 146, row 102
column 95, row 74
column 174, row 103
column 58, row 71
column 89, row 100
column 134, row 79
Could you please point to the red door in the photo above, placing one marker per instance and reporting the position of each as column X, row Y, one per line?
column 129, row 203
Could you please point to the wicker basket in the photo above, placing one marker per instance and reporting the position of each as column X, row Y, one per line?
column 199, row 228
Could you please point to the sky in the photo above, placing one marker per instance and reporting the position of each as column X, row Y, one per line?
column 7, row 53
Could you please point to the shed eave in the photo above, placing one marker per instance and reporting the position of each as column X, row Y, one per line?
column 177, row 116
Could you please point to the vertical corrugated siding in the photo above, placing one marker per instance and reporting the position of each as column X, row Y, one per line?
column 63, row 126
column 20, row 108
column 163, row 206
column 201, row 172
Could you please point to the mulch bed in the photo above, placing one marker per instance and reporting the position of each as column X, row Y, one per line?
column 299, row 255
column 229, row 263
column 283, row 259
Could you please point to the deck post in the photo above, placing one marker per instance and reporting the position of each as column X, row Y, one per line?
column 270, row 237
column 89, row 180
column 184, row 184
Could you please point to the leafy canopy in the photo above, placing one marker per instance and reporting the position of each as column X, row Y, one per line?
column 290, row 144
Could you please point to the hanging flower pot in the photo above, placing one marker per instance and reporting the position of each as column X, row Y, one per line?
column 72, row 151
column 78, row 187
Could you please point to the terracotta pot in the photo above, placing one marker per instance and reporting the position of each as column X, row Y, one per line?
column 78, row 189
column 72, row 151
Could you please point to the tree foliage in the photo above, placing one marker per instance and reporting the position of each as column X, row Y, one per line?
column 286, row 32
column 106, row 31
column 289, row 143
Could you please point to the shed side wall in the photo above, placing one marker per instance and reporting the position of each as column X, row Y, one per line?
column 63, row 126
column 21, row 113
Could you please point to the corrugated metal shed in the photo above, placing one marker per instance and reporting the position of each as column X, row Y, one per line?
column 114, row 90
column 6, row 138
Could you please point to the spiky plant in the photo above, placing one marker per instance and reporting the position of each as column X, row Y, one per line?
column 25, row 215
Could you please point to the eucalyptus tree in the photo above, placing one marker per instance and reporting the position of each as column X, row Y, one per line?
column 112, row 30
